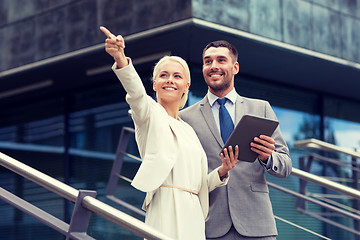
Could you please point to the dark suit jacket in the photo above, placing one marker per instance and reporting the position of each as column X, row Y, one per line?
column 245, row 201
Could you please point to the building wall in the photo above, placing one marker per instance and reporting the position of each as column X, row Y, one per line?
column 326, row 26
column 34, row 30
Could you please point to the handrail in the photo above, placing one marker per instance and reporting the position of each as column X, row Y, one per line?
column 320, row 145
column 326, row 183
column 38, row 177
column 333, row 161
column 90, row 203
column 348, row 191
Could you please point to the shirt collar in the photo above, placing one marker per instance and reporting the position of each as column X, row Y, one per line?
column 232, row 95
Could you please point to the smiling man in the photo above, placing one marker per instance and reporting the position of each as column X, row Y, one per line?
column 242, row 209
column 219, row 68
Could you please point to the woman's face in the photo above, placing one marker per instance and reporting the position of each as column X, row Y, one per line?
column 170, row 82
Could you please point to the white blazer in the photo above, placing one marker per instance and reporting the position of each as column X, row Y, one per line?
column 152, row 129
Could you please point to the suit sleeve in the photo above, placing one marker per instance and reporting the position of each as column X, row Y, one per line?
column 281, row 164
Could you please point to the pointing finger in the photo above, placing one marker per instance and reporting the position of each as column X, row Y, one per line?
column 107, row 32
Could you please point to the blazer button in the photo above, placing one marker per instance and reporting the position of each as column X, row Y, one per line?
column 275, row 168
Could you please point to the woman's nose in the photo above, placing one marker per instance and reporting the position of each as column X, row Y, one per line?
column 170, row 79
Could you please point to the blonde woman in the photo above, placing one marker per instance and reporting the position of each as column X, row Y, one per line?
column 174, row 171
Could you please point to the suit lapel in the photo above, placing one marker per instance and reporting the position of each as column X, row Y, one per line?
column 239, row 109
column 208, row 116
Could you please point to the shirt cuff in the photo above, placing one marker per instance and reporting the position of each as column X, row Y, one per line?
column 268, row 164
column 223, row 178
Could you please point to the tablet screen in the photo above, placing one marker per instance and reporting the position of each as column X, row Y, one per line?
column 249, row 127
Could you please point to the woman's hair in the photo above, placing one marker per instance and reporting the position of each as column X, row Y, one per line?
column 187, row 73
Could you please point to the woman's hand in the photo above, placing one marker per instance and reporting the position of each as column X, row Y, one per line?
column 229, row 159
column 115, row 47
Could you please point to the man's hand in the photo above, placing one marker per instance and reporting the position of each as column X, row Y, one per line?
column 115, row 47
column 229, row 159
column 264, row 146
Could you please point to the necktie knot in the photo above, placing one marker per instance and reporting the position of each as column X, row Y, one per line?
column 221, row 101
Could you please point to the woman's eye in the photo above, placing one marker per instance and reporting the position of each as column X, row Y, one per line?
column 178, row 76
column 162, row 75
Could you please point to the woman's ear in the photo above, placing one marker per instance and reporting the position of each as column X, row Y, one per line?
column 154, row 85
column 187, row 87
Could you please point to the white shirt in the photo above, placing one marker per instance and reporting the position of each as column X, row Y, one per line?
column 230, row 106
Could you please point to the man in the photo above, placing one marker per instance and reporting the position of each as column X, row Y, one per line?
column 242, row 209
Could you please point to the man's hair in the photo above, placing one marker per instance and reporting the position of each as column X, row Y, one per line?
column 223, row 43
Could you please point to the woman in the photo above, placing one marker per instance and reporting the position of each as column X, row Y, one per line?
column 174, row 171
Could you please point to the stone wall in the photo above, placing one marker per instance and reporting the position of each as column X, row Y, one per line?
column 327, row 26
column 35, row 30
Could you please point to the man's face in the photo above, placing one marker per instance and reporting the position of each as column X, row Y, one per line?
column 219, row 70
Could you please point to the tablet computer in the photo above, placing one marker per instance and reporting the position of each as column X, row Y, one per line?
column 243, row 134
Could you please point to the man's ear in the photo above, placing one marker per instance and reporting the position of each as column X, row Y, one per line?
column 236, row 68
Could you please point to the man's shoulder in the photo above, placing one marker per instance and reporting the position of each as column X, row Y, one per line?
column 188, row 113
column 194, row 107
column 254, row 101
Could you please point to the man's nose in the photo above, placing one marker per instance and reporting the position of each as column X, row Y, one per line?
column 214, row 65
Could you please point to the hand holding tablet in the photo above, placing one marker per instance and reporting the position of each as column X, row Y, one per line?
column 244, row 133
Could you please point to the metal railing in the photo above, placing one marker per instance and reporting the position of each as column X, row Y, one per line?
column 85, row 204
column 313, row 143
column 337, row 187
column 121, row 153
column 350, row 193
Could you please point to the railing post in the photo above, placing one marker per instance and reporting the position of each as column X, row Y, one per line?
column 80, row 218
column 19, row 191
column 305, row 166
column 355, row 184
column 118, row 162
column 300, row 203
column 116, row 170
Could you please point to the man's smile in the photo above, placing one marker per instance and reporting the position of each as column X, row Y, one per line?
column 216, row 74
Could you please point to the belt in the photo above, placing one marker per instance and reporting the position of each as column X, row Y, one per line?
column 180, row 188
